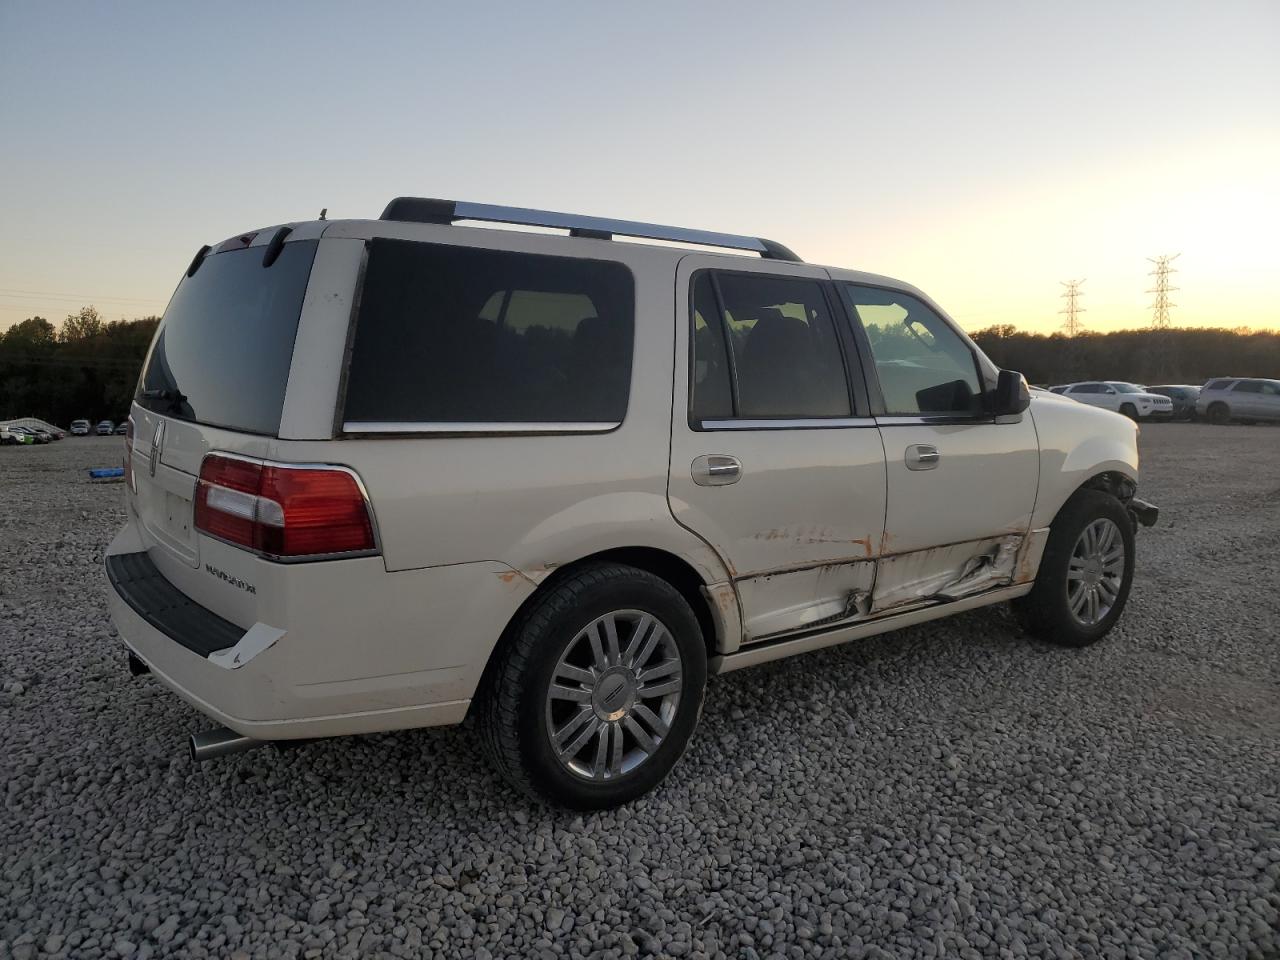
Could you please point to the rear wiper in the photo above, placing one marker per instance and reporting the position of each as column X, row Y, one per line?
column 175, row 397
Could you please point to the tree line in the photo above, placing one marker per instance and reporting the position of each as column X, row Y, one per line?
column 84, row 368
column 1183, row 355
column 88, row 368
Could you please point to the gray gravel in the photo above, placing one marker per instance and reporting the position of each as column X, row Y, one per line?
column 953, row 790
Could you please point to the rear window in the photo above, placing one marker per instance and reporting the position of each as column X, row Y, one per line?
column 222, row 353
column 459, row 335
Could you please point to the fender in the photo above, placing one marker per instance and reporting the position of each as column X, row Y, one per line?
column 1078, row 442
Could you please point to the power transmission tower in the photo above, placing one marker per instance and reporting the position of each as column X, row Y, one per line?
column 1161, row 348
column 1073, row 309
column 1160, row 306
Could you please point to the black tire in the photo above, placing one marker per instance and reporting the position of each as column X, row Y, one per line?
column 1129, row 410
column 1219, row 413
column 1045, row 612
column 513, row 714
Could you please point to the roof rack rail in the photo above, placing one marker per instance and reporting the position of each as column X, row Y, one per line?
column 426, row 210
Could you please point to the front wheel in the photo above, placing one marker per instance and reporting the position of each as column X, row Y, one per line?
column 598, row 690
column 1085, row 574
column 1129, row 410
column 1219, row 413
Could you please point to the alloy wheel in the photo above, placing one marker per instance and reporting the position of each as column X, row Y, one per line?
column 1095, row 572
column 614, row 693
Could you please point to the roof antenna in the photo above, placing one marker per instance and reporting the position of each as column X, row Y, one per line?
column 323, row 211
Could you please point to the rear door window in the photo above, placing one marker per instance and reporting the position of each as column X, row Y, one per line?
column 467, row 336
column 222, row 353
column 765, row 347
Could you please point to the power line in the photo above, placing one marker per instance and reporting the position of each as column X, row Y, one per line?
column 1071, row 294
column 79, row 296
column 1160, row 306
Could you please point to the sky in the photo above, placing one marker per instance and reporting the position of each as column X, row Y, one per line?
column 982, row 151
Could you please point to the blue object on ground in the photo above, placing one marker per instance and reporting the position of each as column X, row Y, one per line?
column 104, row 473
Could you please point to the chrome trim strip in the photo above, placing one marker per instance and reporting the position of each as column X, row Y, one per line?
column 491, row 213
column 390, row 426
column 937, row 421
column 815, row 423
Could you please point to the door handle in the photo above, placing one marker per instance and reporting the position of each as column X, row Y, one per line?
column 716, row 470
column 922, row 456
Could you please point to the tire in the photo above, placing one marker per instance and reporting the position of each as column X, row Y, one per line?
column 1129, row 410
column 1047, row 611
column 552, row 639
column 1219, row 413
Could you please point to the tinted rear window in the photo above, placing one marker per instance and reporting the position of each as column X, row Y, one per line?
column 462, row 335
column 222, row 353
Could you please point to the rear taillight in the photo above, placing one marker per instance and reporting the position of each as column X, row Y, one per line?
column 128, row 456
column 281, row 511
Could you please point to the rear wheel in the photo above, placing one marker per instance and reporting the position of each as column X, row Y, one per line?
column 598, row 691
column 1129, row 410
column 1219, row 413
column 1085, row 574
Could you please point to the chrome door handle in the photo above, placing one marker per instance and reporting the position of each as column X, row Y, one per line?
column 716, row 470
column 922, row 456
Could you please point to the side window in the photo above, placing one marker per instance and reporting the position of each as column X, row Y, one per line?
column 1085, row 388
column 1269, row 389
column 465, row 335
column 924, row 367
column 1248, row 386
column 1218, row 385
column 765, row 348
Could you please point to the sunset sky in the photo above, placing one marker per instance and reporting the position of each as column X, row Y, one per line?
column 983, row 151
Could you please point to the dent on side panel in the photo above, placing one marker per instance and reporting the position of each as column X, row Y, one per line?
column 818, row 596
column 944, row 573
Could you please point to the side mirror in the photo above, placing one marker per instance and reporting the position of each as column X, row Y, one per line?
column 1012, row 396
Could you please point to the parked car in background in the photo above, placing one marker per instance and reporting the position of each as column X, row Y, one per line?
column 10, row 436
column 80, row 428
column 1183, row 395
column 480, row 496
column 37, row 436
column 1246, row 399
column 1117, row 395
column 122, row 428
column 105, row 427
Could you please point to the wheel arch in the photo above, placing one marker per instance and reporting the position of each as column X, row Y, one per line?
column 714, row 605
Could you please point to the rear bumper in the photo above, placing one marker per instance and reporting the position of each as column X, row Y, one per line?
column 367, row 650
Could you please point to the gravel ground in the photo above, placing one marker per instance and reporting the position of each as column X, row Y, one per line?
column 952, row 790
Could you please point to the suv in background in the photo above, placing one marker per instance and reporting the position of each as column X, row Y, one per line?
column 1244, row 399
column 79, row 428
column 391, row 473
column 1127, row 399
column 105, row 427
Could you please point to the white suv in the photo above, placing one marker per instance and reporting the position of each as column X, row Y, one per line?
column 391, row 473
column 1125, row 398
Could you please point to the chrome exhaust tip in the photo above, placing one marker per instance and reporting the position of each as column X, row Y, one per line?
column 220, row 742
